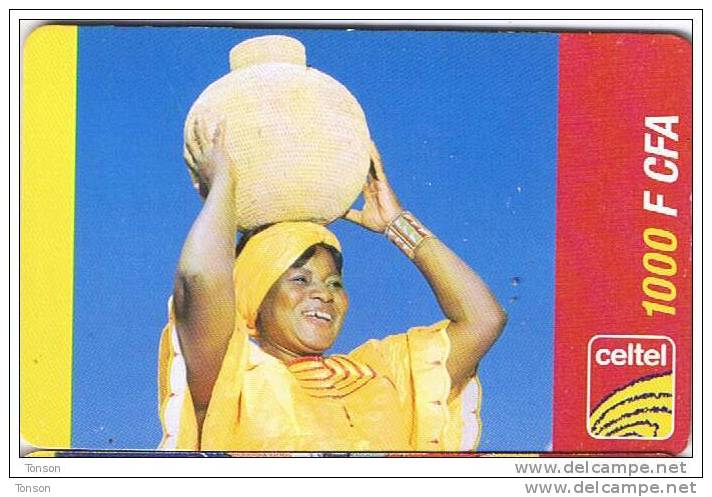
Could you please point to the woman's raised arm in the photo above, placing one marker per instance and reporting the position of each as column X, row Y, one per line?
column 476, row 318
column 203, row 294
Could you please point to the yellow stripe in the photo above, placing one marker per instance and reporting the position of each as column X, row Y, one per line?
column 47, row 235
column 42, row 453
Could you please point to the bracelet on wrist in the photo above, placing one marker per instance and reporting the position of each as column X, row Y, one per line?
column 407, row 233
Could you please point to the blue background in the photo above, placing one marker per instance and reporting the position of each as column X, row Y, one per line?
column 466, row 124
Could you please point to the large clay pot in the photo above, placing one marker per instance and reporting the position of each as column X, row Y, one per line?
column 296, row 137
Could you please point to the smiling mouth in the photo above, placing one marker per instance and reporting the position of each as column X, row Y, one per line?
column 318, row 315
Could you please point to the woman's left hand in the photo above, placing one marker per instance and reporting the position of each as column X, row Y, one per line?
column 381, row 205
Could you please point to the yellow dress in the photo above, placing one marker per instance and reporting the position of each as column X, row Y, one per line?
column 386, row 395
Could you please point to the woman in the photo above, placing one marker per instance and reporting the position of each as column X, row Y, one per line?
column 241, row 359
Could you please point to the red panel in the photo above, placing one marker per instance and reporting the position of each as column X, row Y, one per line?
column 608, row 85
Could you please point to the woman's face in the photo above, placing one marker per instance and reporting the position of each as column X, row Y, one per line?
column 303, row 312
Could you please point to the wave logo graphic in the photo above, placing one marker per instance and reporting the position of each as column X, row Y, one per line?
column 642, row 409
column 631, row 387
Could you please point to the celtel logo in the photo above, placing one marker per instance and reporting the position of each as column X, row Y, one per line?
column 633, row 355
column 631, row 387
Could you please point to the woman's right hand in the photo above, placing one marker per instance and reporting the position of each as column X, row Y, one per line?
column 210, row 156
column 381, row 205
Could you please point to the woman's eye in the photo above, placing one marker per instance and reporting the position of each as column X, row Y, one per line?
column 337, row 284
column 299, row 279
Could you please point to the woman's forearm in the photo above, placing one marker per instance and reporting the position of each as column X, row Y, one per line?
column 461, row 293
column 476, row 318
column 204, row 294
column 209, row 248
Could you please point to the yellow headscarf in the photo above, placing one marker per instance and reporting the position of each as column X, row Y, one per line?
column 266, row 256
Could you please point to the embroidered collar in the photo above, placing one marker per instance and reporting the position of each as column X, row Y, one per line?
column 334, row 377
column 326, row 377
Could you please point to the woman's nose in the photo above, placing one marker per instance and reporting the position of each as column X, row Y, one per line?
column 321, row 292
